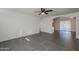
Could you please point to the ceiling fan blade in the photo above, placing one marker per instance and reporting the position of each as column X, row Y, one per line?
column 48, row 10
column 39, row 14
column 42, row 9
column 46, row 13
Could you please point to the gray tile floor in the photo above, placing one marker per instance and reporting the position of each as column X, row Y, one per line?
column 42, row 42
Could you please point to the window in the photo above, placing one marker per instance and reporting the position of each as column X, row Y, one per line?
column 65, row 25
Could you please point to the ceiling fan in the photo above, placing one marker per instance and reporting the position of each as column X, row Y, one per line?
column 44, row 11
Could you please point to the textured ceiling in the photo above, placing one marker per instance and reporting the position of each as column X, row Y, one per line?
column 57, row 11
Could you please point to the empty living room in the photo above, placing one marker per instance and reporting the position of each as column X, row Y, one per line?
column 39, row 29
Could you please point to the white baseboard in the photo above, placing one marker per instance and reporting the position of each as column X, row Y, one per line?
column 17, row 37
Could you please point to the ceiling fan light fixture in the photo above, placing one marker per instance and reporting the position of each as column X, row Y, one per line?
column 42, row 13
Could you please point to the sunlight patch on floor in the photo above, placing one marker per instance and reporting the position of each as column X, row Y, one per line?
column 27, row 39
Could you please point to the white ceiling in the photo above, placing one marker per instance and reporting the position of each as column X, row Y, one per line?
column 57, row 11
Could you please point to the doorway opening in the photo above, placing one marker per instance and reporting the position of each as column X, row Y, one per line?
column 65, row 23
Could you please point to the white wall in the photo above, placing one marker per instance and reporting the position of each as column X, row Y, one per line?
column 47, row 27
column 13, row 25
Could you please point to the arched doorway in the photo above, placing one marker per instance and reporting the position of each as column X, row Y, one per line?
column 65, row 23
